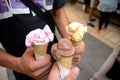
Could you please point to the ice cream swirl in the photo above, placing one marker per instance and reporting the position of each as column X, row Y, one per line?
column 39, row 36
column 76, row 31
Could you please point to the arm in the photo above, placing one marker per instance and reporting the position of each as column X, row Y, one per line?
column 96, row 2
column 8, row 60
column 26, row 64
column 61, row 21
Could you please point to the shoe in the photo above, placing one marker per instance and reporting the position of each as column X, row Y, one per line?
column 93, row 19
column 104, row 29
column 91, row 79
column 98, row 31
column 90, row 24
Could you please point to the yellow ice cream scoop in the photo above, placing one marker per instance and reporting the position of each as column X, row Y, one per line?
column 76, row 31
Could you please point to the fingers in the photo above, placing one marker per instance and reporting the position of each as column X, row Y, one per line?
column 29, row 53
column 43, row 62
column 76, row 59
column 43, row 67
column 32, row 67
column 39, row 68
column 43, row 72
column 29, row 50
column 73, row 74
column 54, row 73
column 79, row 52
column 82, row 47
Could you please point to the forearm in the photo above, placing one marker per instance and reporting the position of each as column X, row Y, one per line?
column 61, row 21
column 8, row 60
column 96, row 2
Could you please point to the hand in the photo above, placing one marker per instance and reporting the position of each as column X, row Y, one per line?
column 34, row 68
column 79, row 52
column 55, row 74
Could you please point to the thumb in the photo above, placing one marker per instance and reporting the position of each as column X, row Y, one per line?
column 29, row 52
column 54, row 73
column 73, row 74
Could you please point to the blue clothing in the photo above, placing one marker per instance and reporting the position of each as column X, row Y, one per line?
column 107, row 5
column 17, row 7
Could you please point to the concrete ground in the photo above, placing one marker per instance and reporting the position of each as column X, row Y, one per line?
column 98, row 45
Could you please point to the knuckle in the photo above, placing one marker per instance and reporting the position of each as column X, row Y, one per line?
column 34, row 75
column 49, row 57
column 32, row 68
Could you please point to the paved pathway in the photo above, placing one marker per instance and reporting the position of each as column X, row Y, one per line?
column 95, row 54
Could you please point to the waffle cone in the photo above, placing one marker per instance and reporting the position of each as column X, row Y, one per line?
column 66, row 62
column 75, row 43
column 40, row 49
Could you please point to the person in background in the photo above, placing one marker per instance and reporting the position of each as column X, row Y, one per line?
column 93, row 5
column 16, row 23
column 106, row 7
column 72, row 2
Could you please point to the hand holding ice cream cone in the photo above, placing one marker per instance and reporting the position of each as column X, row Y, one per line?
column 63, row 52
column 76, row 32
column 39, row 39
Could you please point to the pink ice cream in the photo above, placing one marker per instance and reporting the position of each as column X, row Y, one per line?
column 39, row 39
column 39, row 36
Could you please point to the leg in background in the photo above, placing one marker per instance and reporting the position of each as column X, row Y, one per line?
column 90, row 17
column 107, row 19
column 101, row 20
column 91, row 11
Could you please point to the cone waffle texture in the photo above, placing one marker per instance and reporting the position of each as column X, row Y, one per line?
column 64, row 65
column 75, row 43
column 40, row 49
column 66, row 62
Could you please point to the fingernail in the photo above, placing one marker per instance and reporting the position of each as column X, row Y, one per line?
column 76, row 70
column 31, row 48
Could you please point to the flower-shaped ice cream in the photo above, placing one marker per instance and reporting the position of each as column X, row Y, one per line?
column 39, row 36
column 39, row 39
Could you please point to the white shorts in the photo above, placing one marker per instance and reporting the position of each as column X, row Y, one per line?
column 92, row 3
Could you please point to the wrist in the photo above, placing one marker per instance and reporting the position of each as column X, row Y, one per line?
column 18, row 66
column 14, row 64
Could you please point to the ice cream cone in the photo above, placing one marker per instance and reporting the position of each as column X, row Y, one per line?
column 75, row 43
column 40, row 50
column 39, row 39
column 63, row 52
column 66, row 62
